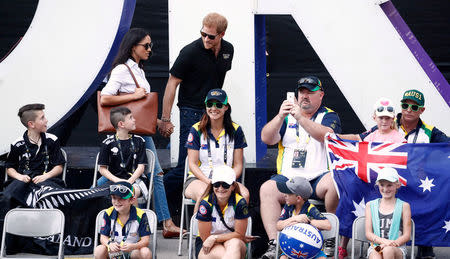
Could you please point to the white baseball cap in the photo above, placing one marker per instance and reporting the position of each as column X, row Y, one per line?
column 388, row 174
column 384, row 107
column 223, row 173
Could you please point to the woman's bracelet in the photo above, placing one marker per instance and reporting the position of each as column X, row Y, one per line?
column 165, row 119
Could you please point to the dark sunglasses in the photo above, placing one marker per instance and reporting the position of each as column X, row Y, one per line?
column 211, row 104
column 223, row 184
column 147, row 45
column 414, row 107
column 210, row 36
column 388, row 108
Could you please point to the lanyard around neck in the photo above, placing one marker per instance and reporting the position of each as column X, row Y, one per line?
column 297, row 131
column 124, row 238
column 132, row 149
column 210, row 163
column 28, row 156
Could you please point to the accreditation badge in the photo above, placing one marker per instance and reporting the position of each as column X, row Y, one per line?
column 299, row 158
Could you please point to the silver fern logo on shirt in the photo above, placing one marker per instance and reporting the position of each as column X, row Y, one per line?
column 226, row 56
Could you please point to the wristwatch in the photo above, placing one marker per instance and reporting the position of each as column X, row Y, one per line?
column 165, row 119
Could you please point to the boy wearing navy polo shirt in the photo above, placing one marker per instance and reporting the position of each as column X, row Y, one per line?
column 122, row 156
column 297, row 208
column 125, row 232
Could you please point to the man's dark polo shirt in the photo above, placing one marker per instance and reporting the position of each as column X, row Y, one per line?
column 200, row 71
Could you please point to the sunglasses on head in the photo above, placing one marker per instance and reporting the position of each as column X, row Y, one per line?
column 223, row 184
column 121, row 188
column 210, row 36
column 147, row 45
column 218, row 105
column 414, row 107
column 308, row 81
column 388, row 108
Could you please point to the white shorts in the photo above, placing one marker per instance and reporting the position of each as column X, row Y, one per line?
column 402, row 248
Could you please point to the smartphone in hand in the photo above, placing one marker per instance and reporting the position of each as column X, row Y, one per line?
column 290, row 97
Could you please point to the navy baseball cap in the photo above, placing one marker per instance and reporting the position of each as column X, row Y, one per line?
column 122, row 189
column 311, row 83
column 217, row 94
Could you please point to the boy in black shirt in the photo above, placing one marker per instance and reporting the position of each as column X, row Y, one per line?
column 122, row 156
column 36, row 156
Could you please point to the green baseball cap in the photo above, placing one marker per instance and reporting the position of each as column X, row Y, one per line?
column 414, row 95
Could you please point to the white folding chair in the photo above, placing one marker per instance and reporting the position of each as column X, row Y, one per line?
column 186, row 202
column 63, row 176
column 33, row 223
column 152, row 221
column 359, row 233
column 194, row 233
column 326, row 234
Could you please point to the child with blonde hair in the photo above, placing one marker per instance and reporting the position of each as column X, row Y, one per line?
column 388, row 219
column 384, row 116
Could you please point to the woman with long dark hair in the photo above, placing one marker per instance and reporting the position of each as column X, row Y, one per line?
column 222, row 217
column 215, row 140
column 135, row 48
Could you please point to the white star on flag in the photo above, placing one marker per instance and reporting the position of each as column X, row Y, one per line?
column 427, row 184
column 447, row 226
column 360, row 209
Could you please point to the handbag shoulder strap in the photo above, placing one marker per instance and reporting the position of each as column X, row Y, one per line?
column 132, row 75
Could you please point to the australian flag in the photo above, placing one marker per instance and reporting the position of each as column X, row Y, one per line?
column 424, row 171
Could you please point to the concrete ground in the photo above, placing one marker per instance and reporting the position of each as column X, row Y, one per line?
column 167, row 249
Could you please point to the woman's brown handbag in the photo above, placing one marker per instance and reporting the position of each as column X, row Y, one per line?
column 144, row 110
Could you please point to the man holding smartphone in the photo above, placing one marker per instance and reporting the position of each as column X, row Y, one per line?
column 299, row 128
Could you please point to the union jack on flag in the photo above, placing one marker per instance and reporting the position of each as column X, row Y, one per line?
column 424, row 173
column 366, row 158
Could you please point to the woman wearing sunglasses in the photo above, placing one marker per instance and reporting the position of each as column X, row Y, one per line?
column 135, row 48
column 222, row 217
column 215, row 140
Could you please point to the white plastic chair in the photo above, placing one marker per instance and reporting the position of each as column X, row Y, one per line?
column 149, row 168
column 33, row 223
column 326, row 234
column 186, row 202
column 359, row 233
column 63, row 176
column 194, row 232
column 152, row 221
